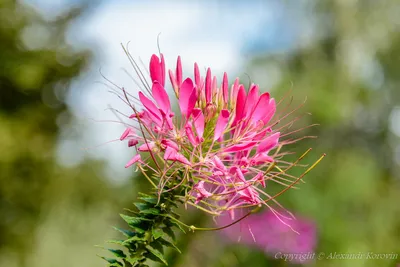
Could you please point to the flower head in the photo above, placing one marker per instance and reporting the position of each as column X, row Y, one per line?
column 220, row 144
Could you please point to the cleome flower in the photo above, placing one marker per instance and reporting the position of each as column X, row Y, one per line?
column 220, row 144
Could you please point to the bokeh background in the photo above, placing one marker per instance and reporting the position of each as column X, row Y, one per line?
column 60, row 192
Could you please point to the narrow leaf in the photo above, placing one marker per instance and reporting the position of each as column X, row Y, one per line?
column 157, row 254
column 117, row 252
column 169, row 244
column 142, row 206
column 152, row 211
column 126, row 233
column 157, row 233
column 169, row 232
column 112, row 262
column 130, row 220
column 151, row 200
column 179, row 226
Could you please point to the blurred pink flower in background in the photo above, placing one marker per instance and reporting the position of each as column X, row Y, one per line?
column 267, row 232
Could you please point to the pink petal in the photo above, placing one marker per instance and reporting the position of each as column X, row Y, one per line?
column 135, row 159
column 269, row 143
column 221, row 124
column 249, row 195
column 213, row 87
column 151, row 107
column 197, row 78
column 203, row 193
column 132, row 142
column 198, row 121
column 241, row 99
column 147, row 146
column 190, row 135
column 218, row 163
column 173, row 155
column 181, row 158
column 260, row 159
column 129, row 132
column 261, row 108
column 162, row 66
column 185, row 97
column 161, row 97
column 157, row 69
column 240, row 175
column 236, row 148
column 259, row 177
column 169, row 143
column 271, row 111
column 208, row 86
column 234, row 92
column 169, row 153
column 192, row 102
column 225, row 87
column 173, row 80
column 179, row 71
column 251, row 101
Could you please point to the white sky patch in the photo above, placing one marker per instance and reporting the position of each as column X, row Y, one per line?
column 195, row 31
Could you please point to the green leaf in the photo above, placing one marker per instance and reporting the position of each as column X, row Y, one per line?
column 172, row 203
column 142, row 206
column 158, row 246
column 169, row 244
column 169, row 232
column 133, row 260
column 126, row 233
column 152, row 211
column 117, row 252
column 133, row 239
column 148, row 199
column 117, row 242
column 112, row 262
column 177, row 216
column 131, row 220
column 157, row 254
column 135, row 223
column 157, row 233
column 179, row 226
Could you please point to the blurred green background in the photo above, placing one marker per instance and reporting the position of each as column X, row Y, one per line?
column 53, row 215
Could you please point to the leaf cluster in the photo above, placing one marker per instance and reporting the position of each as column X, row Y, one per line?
column 150, row 231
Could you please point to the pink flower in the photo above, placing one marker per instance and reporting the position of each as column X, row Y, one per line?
column 271, row 233
column 221, row 142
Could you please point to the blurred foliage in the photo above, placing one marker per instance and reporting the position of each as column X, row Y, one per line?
column 44, row 207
